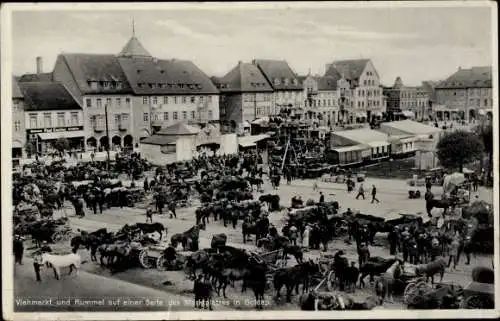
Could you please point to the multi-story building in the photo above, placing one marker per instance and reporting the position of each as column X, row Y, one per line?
column 324, row 98
column 288, row 92
column 245, row 95
column 18, row 128
column 167, row 92
column 465, row 95
column 407, row 102
column 99, row 84
column 367, row 101
column 50, row 113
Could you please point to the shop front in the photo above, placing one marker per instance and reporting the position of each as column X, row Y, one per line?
column 44, row 138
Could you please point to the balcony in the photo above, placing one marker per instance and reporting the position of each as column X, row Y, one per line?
column 122, row 127
column 98, row 128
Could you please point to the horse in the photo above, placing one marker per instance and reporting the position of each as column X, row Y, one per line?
column 374, row 266
column 430, row 269
column 151, row 228
column 293, row 276
column 255, row 181
column 191, row 235
column 385, row 285
column 218, row 240
column 259, row 229
column 73, row 261
column 443, row 203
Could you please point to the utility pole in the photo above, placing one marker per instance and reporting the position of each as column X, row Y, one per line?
column 107, row 135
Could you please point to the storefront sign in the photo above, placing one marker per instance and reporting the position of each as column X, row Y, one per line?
column 53, row 130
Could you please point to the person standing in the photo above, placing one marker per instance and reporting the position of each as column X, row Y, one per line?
column 361, row 191
column 455, row 243
column 37, row 262
column 293, row 231
column 305, row 237
column 18, row 249
column 149, row 214
column 374, row 195
column 171, row 207
column 321, row 197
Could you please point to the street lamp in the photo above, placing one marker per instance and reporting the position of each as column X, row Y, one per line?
column 107, row 135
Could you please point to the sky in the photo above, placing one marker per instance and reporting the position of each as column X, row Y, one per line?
column 417, row 44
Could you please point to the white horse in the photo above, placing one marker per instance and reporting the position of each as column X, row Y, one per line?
column 73, row 261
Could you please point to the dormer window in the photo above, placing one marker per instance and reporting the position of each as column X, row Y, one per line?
column 181, row 86
column 160, row 85
column 276, row 81
column 138, row 71
column 151, row 85
column 101, row 83
column 295, row 82
column 198, row 86
column 105, row 84
column 191, row 86
column 285, row 81
column 140, row 85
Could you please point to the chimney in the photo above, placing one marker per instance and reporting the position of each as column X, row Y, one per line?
column 39, row 65
column 240, row 62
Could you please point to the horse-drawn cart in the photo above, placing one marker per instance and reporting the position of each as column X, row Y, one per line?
column 479, row 296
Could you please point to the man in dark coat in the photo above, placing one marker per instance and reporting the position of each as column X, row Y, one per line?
column 321, row 197
column 18, row 249
column 171, row 208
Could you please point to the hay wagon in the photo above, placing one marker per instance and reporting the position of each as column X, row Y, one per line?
column 152, row 256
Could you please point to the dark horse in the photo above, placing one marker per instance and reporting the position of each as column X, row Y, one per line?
column 151, row 228
column 434, row 203
column 374, row 266
column 259, row 229
column 255, row 181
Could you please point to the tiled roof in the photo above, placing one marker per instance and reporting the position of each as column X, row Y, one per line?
column 134, row 48
column 278, row 73
column 411, row 127
column 362, row 136
column 475, row 77
column 161, row 140
column 244, row 77
column 87, row 68
column 16, row 91
column 350, row 69
column 327, row 83
column 178, row 130
column 156, row 76
column 47, row 96
column 44, row 77
column 429, row 88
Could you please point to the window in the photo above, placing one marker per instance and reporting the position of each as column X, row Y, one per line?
column 118, row 102
column 93, row 121
column 60, row 120
column 108, row 101
column 210, row 114
column 145, row 100
column 175, row 116
column 74, row 118
column 202, row 98
column 193, row 100
column 155, row 100
column 100, row 121
column 165, row 115
column 165, row 100
column 117, row 121
column 47, row 121
column 184, row 115
column 184, row 99
column 209, row 99
column 127, row 102
column 17, row 125
column 486, row 102
column 193, row 114
column 33, row 121
column 124, row 118
column 175, row 99
column 155, row 117
column 89, row 102
column 99, row 103
column 146, row 117
column 364, row 82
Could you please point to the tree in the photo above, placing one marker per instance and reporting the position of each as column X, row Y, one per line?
column 30, row 148
column 485, row 133
column 458, row 148
column 61, row 144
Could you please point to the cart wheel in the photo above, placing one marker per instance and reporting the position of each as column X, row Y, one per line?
column 416, row 301
column 160, row 263
column 478, row 302
column 409, row 289
column 144, row 259
column 57, row 237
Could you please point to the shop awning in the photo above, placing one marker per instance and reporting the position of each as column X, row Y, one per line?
column 360, row 115
column 247, row 144
column 56, row 135
column 349, row 148
column 408, row 114
column 247, row 141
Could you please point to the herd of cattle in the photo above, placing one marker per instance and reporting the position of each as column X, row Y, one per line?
column 226, row 196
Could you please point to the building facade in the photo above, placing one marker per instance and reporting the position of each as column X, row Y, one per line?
column 288, row 92
column 245, row 95
column 18, row 122
column 325, row 98
column 50, row 113
column 407, row 102
column 465, row 95
column 367, row 102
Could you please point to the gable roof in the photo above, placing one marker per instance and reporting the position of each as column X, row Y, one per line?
column 411, row 127
column 40, row 96
column 43, row 77
column 179, row 129
column 475, row 77
column 363, row 135
column 16, row 91
column 350, row 69
column 96, row 67
column 280, row 70
column 134, row 48
column 244, row 77
column 160, row 140
column 157, row 76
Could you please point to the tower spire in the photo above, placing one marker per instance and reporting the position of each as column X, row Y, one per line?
column 133, row 26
